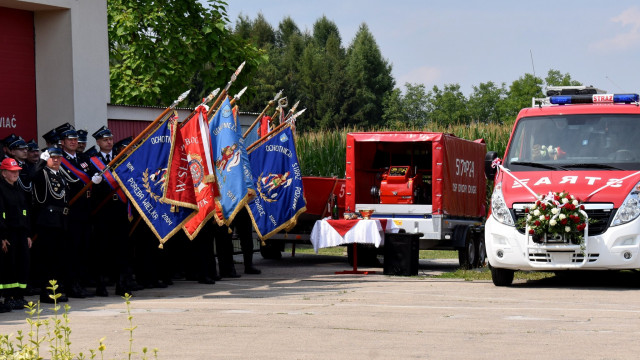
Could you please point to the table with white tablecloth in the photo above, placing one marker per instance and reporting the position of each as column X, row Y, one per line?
column 328, row 233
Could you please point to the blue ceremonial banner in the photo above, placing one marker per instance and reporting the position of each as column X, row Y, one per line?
column 142, row 176
column 278, row 182
column 231, row 162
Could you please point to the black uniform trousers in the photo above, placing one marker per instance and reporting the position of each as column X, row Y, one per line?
column 110, row 242
column 243, row 227
column 50, row 256
column 202, row 252
column 224, row 250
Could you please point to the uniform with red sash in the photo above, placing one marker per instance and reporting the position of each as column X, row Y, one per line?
column 77, row 172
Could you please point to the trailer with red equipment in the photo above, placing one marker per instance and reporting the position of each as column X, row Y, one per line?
column 426, row 182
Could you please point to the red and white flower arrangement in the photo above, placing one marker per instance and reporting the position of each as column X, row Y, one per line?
column 557, row 215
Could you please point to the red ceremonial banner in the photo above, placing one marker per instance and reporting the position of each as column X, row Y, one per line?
column 198, row 154
column 179, row 185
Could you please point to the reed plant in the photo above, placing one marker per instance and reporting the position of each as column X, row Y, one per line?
column 56, row 332
column 323, row 152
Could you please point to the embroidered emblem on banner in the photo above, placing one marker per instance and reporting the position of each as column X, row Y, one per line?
column 270, row 183
column 158, row 178
column 226, row 112
column 230, row 158
column 197, row 170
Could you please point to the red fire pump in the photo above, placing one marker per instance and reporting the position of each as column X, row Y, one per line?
column 397, row 186
column 401, row 185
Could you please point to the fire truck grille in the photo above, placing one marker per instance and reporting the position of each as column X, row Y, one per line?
column 601, row 218
column 545, row 257
column 578, row 258
column 539, row 257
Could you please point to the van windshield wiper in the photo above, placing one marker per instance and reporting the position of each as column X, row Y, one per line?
column 535, row 164
column 591, row 166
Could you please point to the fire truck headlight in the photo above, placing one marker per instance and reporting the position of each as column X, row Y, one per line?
column 499, row 208
column 630, row 209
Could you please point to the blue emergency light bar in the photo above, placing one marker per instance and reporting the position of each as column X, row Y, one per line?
column 594, row 99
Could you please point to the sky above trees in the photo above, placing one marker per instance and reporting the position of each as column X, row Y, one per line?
column 471, row 42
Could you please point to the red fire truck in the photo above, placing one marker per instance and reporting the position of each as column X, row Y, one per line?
column 428, row 183
column 566, row 193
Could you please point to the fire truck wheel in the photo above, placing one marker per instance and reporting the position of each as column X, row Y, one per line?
column 467, row 255
column 501, row 277
column 270, row 251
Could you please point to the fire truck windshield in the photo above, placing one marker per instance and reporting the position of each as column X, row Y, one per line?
column 605, row 141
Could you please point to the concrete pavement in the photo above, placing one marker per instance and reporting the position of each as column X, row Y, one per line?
column 299, row 309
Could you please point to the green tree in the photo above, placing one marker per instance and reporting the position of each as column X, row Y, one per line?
column 158, row 49
column 393, row 109
column 322, row 77
column 415, row 104
column 369, row 77
column 520, row 94
column 262, row 86
column 323, row 29
column 410, row 109
column 259, row 32
column 286, row 29
column 447, row 106
column 556, row 78
column 486, row 103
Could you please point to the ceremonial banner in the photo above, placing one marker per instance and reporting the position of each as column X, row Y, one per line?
column 278, row 183
column 143, row 176
column 232, row 168
column 193, row 152
column 179, row 184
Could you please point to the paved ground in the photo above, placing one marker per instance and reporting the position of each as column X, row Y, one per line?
column 299, row 309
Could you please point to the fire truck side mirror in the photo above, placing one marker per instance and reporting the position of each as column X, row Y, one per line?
column 489, row 170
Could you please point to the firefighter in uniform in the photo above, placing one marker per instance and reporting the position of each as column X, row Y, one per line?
column 51, row 138
column 33, row 152
column 82, row 140
column 77, row 172
column 19, row 150
column 50, row 193
column 111, row 222
column 15, row 235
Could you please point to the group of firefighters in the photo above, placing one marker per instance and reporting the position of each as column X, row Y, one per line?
column 55, row 227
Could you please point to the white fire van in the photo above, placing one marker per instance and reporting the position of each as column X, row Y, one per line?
column 566, row 193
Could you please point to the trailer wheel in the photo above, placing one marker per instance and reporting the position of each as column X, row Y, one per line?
column 482, row 250
column 467, row 255
column 501, row 277
column 270, row 251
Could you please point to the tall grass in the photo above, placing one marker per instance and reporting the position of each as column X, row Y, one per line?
column 323, row 152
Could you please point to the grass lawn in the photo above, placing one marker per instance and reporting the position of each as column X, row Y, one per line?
column 342, row 250
column 485, row 274
column 469, row 275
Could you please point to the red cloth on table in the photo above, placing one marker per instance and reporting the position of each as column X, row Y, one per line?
column 343, row 226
